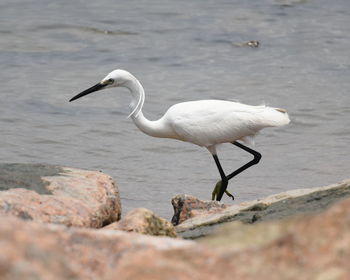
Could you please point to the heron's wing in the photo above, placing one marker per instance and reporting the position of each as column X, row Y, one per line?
column 211, row 122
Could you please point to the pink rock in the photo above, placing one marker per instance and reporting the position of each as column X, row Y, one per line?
column 144, row 221
column 32, row 250
column 308, row 247
column 187, row 206
column 72, row 197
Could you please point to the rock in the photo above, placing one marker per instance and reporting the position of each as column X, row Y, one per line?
column 313, row 246
column 303, row 247
column 187, row 206
column 144, row 221
column 60, row 195
column 32, row 250
column 274, row 207
column 309, row 247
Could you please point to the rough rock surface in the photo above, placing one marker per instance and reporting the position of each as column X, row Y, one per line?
column 61, row 195
column 144, row 221
column 313, row 246
column 310, row 247
column 187, row 206
column 274, row 207
column 32, row 250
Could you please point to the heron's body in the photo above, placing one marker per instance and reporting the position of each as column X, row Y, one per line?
column 205, row 122
column 211, row 122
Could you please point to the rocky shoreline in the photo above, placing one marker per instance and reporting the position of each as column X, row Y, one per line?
column 274, row 207
column 65, row 223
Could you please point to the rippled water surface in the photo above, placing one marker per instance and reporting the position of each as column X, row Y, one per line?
column 179, row 50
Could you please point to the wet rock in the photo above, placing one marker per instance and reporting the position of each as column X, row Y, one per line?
column 32, row 250
column 61, row 195
column 27, row 176
column 187, row 206
column 274, row 207
column 144, row 221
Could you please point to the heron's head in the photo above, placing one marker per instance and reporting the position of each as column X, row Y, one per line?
column 117, row 78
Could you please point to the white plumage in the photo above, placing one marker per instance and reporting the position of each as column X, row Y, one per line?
column 210, row 122
column 205, row 122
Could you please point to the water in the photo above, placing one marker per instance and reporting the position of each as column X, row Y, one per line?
column 179, row 50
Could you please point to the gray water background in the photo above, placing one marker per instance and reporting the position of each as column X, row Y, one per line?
column 180, row 51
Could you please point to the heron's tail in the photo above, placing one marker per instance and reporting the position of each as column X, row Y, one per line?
column 275, row 117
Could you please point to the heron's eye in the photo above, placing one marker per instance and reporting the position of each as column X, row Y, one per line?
column 110, row 81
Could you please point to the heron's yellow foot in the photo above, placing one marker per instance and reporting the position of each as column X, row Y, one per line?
column 216, row 190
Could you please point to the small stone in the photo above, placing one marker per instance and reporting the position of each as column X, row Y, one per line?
column 187, row 206
column 144, row 221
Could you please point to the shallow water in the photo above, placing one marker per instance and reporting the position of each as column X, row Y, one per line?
column 179, row 50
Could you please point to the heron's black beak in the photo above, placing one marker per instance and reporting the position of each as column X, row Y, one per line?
column 96, row 87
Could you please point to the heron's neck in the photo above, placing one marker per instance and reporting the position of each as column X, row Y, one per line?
column 138, row 97
column 152, row 128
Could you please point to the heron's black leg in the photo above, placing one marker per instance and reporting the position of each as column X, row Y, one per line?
column 224, row 180
column 257, row 157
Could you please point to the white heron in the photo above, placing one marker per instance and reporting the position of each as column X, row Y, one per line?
column 205, row 123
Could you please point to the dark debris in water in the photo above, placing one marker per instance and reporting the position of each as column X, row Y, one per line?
column 252, row 44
